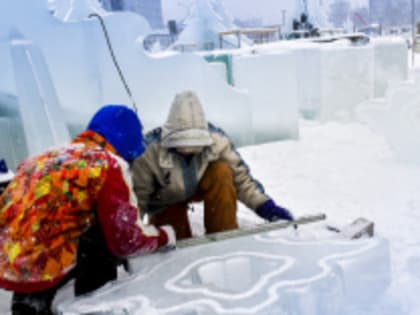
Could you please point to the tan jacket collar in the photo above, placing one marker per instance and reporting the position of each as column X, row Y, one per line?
column 166, row 157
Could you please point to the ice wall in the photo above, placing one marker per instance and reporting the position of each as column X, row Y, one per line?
column 273, row 93
column 12, row 137
column 40, row 111
column 263, row 274
column 397, row 118
column 326, row 80
column 346, row 80
column 390, row 63
column 333, row 78
column 85, row 78
column 308, row 70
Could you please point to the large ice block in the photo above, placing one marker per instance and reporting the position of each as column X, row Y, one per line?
column 308, row 63
column 43, row 120
column 13, row 146
column 270, row 80
column 390, row 62
column 346, row 80
column 85, row 77
column 397, row 118
column 262, row 274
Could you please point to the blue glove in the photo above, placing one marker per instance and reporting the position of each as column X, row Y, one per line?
column 272, row 212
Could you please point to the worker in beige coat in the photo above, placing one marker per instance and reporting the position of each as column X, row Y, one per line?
column 190, row 160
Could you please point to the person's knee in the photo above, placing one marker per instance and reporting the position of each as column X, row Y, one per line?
column 218, row 172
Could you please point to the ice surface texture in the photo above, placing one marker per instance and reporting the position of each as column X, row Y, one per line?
column 275, row 277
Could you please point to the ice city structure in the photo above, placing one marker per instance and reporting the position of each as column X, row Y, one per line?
column 68, row 63
column 57, row 72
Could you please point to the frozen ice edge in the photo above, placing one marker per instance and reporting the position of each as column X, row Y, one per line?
column 331, row 272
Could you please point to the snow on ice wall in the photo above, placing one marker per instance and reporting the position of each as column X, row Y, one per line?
column 277, row 276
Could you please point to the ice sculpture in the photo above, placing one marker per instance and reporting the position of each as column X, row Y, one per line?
column 397, row 118
column 207, row 18
column 85, row 78
column 263, row 274
column 340, row 75
column 78, row 10
column 42, row 117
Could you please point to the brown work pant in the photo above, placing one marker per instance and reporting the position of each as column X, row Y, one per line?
column 218, row 192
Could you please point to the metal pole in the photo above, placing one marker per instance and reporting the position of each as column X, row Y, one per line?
column 283, row 17
column 413, row 29
column 219, row 236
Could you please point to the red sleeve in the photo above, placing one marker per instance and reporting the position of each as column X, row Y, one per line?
column 118, row 216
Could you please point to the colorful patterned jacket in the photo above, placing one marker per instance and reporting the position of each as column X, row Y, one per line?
column 57, row 196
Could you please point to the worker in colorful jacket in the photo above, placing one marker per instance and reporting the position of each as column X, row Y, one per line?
column 189, row 160
column 71, row 213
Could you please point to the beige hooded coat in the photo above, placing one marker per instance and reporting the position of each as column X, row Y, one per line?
column 163, row 177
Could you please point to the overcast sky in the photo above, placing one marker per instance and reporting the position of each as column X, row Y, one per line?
column 269, row 11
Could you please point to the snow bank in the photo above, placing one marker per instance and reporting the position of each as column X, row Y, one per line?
column 263, row 274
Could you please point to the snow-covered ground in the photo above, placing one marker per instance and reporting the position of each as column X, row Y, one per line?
column 342, row 169
column 346, row 171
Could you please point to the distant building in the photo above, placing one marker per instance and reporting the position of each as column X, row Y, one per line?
column 251, row 22
column 151, row 10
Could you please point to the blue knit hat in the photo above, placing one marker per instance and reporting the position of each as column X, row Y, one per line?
column 122, row 128
column 3, row 167
column 5, row 174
